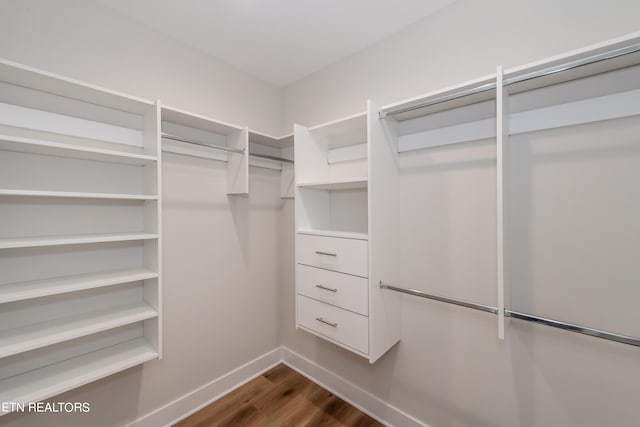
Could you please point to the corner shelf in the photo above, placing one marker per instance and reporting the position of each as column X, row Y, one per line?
column 76, row 195
column 358, row 183
column 31, row 242
column 31, row 337
column 59, row 285
column 47, row 381
column 50, row 148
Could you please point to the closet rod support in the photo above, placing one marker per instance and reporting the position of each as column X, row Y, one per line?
column 201, row 144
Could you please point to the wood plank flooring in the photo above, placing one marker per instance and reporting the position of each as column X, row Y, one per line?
column 278, row 398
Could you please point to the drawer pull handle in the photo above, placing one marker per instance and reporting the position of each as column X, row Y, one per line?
column 326, row 322
column 327, row 289
column 326, row 253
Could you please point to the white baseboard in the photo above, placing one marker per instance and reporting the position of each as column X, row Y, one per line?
column 361, row 399
column 195, row 400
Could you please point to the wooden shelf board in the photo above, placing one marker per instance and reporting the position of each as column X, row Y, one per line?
column 48, row 381
column 59, row 285
column 76, row 195
column 27, row 242
column 50, row 148
column 336, row 184
column 31, row 337
column 335, row 233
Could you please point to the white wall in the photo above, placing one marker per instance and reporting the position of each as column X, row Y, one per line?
column 220, row 285
column 572, row 231
column 89, row 42
column 465, row 40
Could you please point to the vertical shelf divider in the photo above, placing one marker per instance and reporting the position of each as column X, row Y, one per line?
column 502, row 134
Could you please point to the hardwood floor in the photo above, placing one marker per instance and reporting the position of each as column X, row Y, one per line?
column 279, row 397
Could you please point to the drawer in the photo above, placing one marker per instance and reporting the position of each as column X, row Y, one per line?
column 343, row 326
column 342, row 290
column 333, row 253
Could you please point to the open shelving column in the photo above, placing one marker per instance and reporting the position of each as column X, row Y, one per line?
column 80, row 239
column 281, row 147
column 206, row 131
column 347, row 233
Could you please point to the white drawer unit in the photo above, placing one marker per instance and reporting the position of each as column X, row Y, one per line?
column 347, row 240
column 345, row 327
column 345, row 255
column 339, row 289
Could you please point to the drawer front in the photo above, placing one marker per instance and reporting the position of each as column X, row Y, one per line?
column 343, row 290
column 333, row 253
column 343, row 326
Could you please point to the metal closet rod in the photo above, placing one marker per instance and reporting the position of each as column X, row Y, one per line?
column 610, row 336
column 439, row 100
column 222, row 147
column 615, row 53
column 604, row 56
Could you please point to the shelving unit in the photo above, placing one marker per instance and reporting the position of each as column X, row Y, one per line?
column 80, row 239
column 279, row 147
column 346, row 234
column 562, row 126
column 203, row 135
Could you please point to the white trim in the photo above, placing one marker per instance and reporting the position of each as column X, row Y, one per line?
column 197, row 399
column 357, row 397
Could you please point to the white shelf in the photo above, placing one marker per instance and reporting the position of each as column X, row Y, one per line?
column 334, row 233
column 336, row 184
column 42, row 383
column 59, row 285
column 36, row 79
column 50, row 148
column 30, row 337
column 29, row 242
column 76, row 195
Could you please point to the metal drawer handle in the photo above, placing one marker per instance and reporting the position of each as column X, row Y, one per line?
column 327, row 289
column 326, row 253
column 332, row 324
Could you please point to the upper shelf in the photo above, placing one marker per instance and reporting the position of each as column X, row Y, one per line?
column 25, row 76
column 196, row 121
column 269, row 140
column 50, row 148
column 346, row 125
column 336, row 184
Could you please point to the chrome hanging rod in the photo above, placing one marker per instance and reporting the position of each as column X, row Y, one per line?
column 222, row 147
column 481, row 307
column 616, row 53
column 574, row 328
column 274, row 158
column 438, row 100
column 201, row 144
column 610, row 336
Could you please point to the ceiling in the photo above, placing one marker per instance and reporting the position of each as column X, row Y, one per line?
column 279, row 41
